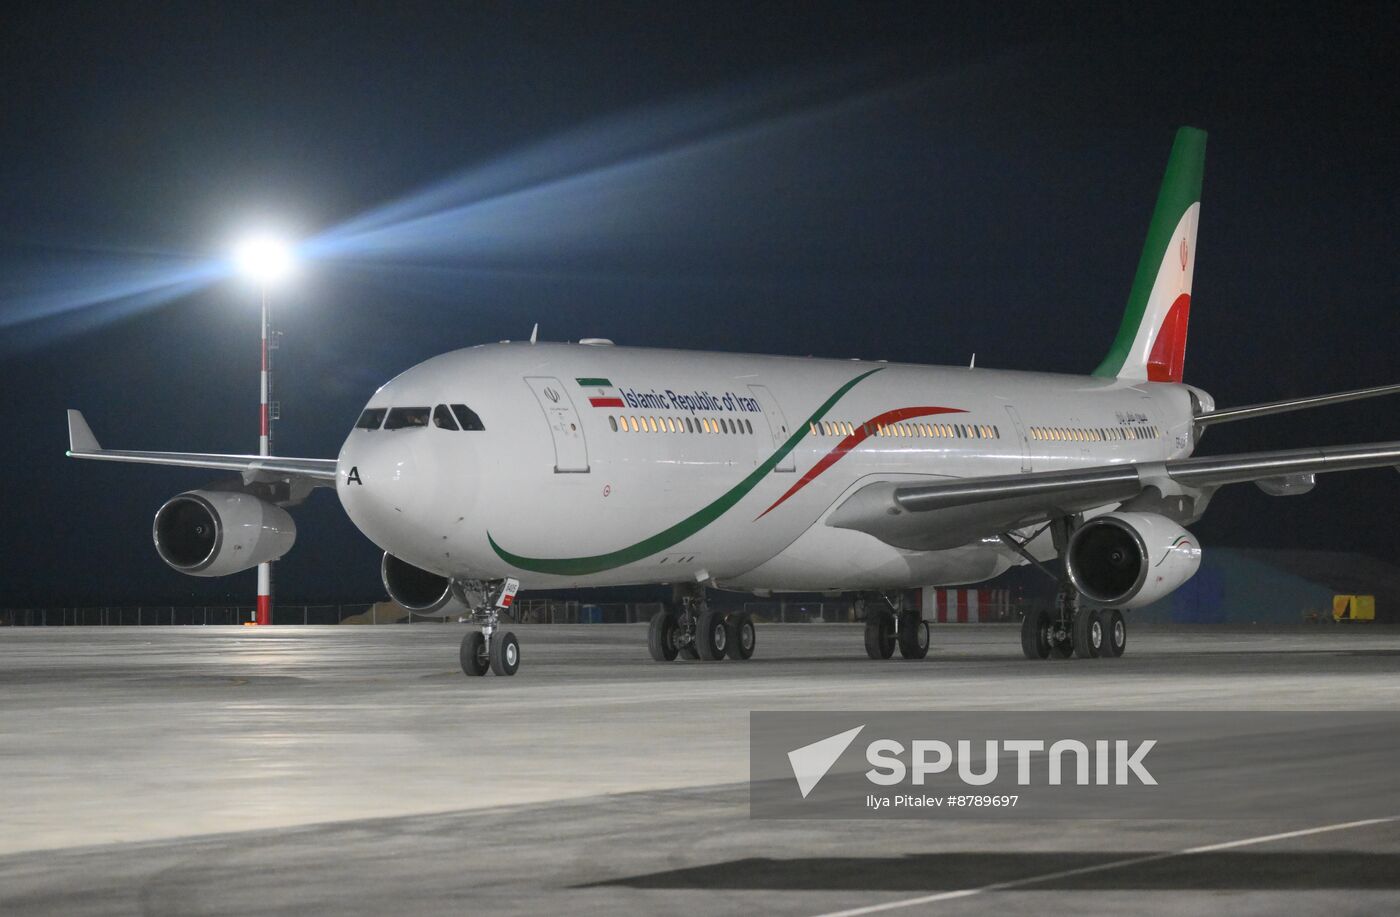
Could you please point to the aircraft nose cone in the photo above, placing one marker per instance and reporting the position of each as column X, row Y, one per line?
column 379, row 484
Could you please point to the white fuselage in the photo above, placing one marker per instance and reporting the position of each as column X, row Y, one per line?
column 736, row 462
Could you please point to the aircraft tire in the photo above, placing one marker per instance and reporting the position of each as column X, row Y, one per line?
column 473, row 654
column 1035, row 634
column 1115, row 634
column 913, row 636
column 505, row 654
column 742, row 637
column 661, row 637
column 879, row 636
column 1087, row 634
column 711, row 636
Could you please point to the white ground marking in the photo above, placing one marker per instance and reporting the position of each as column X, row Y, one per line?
column 1102, row 867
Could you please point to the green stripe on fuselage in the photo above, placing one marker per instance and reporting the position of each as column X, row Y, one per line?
column 594, row 383
column 583, row 566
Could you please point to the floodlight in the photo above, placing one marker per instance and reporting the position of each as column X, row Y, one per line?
column 264, row 259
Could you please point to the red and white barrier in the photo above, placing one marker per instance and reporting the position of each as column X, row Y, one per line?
column 964, row 606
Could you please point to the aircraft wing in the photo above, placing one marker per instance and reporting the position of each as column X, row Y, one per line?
column 304, row 471
column 953, row 512
column 1250, row 412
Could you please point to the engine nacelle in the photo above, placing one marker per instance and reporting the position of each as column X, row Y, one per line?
column 215, row 533
column 418, row 590
column 1128, row 560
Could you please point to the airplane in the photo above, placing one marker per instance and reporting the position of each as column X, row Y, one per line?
column 571, row 465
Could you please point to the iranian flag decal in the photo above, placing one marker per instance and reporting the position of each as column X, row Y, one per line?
column 1151, row 341
column 602, row 394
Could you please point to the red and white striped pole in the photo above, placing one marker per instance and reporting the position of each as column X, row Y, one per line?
column 264, row 612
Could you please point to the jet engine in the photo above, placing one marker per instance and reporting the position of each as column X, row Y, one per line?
column 215, row 533
column 1128, row 560
column 418, row 590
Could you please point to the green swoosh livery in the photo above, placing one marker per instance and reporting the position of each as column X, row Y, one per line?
column 582, row 566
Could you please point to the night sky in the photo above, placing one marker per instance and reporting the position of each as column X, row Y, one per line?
column 914, row 183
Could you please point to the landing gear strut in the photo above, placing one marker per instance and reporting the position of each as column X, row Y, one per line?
column 889, row 625
column 697, row 632
column 486, row 649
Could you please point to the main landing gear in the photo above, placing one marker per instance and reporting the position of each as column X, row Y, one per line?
column 486, row 649
column 697, row 632
column 888, row 625
column 1085, row 633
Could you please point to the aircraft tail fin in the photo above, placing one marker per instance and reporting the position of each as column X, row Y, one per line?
column 1151, row 341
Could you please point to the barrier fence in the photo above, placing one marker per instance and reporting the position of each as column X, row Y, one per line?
column 939, row 606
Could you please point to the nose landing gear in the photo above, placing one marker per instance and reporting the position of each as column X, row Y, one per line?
column 486, row 649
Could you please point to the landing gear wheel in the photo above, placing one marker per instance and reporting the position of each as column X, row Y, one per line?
column 473, row 654
column 879, row 636
column 661, row 637
column 1087, row 633
column 741, row 636
column 1115, row 634
column 1035, row 635
column 912, row 636
column 1061, row 641
column 711, row 635
column 505, row 653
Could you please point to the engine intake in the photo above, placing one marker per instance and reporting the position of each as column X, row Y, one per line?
column 419, row 590
column 1128, row 560
column 215, row 533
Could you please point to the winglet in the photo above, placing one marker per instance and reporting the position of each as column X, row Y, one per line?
column 80, row 438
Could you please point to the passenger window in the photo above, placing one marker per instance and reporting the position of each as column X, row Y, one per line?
column 371, row 419
column 612, row 422
column 467, row 417
column 399, row 418
column 442, row 418
column 748, row 427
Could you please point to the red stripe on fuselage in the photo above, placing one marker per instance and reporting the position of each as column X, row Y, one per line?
column 854, row 440
column 605, row 402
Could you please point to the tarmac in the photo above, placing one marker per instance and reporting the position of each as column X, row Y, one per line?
column 355, row 770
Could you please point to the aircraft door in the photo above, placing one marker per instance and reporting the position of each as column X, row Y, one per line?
column 777, row 425
column 570, row 449
column 1020, row 429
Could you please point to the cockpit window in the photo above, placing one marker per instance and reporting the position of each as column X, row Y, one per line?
column 442, row 417
column 371, row 419
column 407, row 417
column 467, row 417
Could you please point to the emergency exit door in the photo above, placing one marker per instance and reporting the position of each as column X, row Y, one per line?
column 777, row 425
column 570, row 448
column 1021, row 438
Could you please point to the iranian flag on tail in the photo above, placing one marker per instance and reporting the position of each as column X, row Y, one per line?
column 601, row 393
column 1151, row 341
